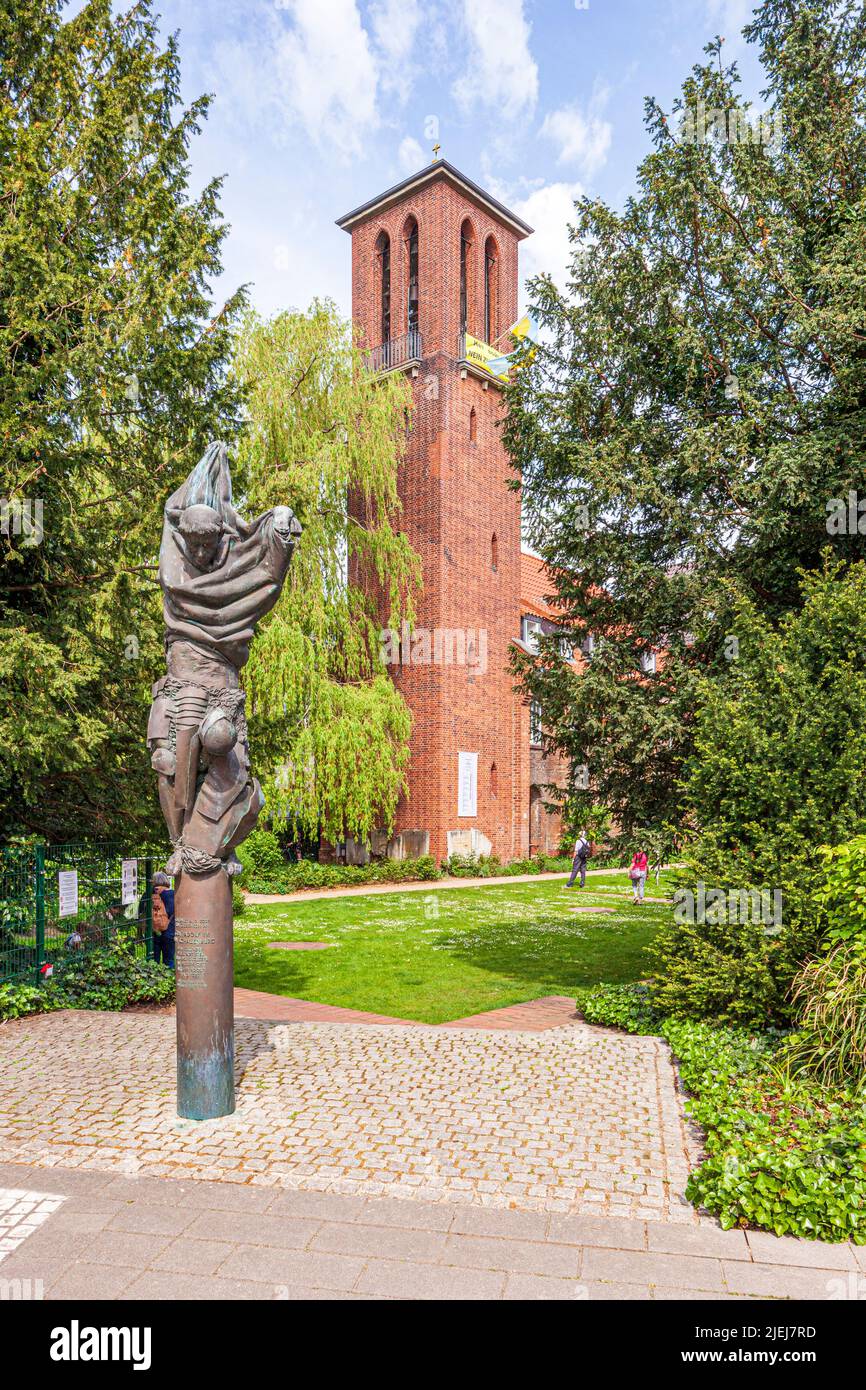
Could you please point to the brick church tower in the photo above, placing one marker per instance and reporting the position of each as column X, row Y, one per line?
column 434, row 280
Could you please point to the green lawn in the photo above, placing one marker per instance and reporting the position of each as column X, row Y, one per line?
column 445, row 953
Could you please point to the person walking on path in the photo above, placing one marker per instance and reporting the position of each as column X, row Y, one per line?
column 578, row 863
column 637, row 873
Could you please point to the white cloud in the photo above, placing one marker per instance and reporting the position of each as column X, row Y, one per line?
column 395, row 27
column 731, row 17
column 500, row 72
column 410, row 155
column 582, row 136
column 550, row 210
column 305, row 63
column 314, row 64
column 326, row 72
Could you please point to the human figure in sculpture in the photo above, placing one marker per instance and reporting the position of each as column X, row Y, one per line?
column 219, row 575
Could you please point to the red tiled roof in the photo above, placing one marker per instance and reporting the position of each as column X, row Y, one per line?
column 537, row 596
column 536, row 588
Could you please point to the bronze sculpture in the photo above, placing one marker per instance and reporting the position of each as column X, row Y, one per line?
column 219, row 575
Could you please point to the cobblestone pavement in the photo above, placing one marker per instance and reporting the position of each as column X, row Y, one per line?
column 566, row 1120
column 111, row 1237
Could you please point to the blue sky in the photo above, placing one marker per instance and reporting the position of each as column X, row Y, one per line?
column 320, row 104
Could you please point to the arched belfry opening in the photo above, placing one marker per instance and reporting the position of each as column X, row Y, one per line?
column 491, row 289
column 467, row 275
column 383, row 267
column 413, row 287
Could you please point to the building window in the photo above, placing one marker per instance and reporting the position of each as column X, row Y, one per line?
column 465, row 274
column 494, row 780
column 491, row 286
column 648, row 663
column 412, row 297
column 535, row 724
column 383, row 253
column 494, row 552
column 587, row 646
column 473, row 426
column 530, row 631
column 566, row 648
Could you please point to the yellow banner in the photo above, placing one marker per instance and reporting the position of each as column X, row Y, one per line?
column 482, row 355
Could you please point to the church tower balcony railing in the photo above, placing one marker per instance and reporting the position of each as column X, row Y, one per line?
column 397, row 352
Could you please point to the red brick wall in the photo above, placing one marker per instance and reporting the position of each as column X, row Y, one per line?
column 439, row 210
column 545, row 827
column 455, row 497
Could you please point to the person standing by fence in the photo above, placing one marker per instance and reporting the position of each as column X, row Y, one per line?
column 163, row 920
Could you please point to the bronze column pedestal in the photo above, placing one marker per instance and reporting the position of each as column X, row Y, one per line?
column 204, row 958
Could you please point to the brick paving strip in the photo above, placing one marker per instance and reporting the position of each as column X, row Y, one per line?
column 110, row 1237
column 536, row 1016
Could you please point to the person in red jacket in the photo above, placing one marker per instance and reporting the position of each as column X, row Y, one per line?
column 637, row 873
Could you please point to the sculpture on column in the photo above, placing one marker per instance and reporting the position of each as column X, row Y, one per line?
column 219, row 575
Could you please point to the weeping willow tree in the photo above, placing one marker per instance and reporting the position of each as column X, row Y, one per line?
column 329, row 728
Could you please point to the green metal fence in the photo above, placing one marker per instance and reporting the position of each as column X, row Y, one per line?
column 60, row 898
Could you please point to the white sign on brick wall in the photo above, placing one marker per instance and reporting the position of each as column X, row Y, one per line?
column 467, row 784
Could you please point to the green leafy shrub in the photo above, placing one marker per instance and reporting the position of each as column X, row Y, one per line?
column 261, row 855
column 628, row 1007
column 109, row 977
column 541, row 864
column 473, row 866
column 239, row 902
column 521, row 866
column 490, row 866
column 840, row 895
column 266, row 871
column 728, row 972
column 309, row 874
column 106, row 977
column 789, row 1158
column 776, row 778
column 561, row 864
column 19, row 1000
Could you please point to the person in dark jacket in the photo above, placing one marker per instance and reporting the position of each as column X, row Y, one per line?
column 163, row 919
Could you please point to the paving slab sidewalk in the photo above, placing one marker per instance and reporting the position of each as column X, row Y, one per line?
column 108, row 1237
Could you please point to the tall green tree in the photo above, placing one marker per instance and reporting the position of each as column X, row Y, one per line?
column 778, row 772
column 702, row 395
column 329, row 729
column 112, row 382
